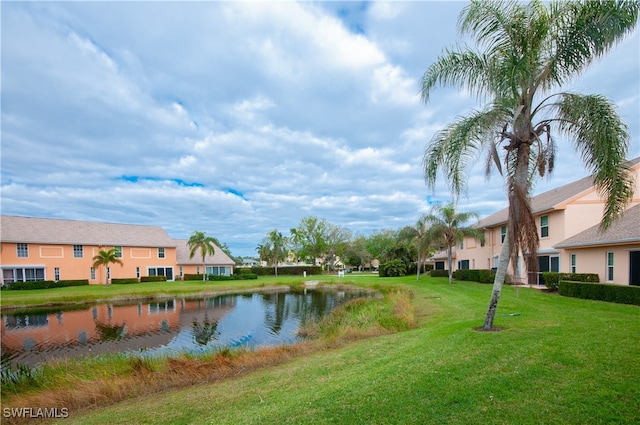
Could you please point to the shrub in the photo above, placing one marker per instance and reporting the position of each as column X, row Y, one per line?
column 153, row 279
column 439, row 273
column 475, row 275
column 287, row 270
column 46, row 284
column 192, row 277
column 552, row 279
column 602, row 292
column 393, row 268
column 124, row 281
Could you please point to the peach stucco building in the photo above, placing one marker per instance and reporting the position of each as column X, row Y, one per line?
column 568, row 219
column 51, row 249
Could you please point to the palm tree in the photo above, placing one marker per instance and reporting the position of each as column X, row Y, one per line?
column 207, row 246
column 447, row 226
column 275, row 245
column 104, row 258
column 528, row 51
column 421, row 236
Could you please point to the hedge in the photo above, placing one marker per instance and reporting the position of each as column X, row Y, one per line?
column 153, row 279
column 620, row 294
column 125, row 280
column 46, row 284
column 439, row 273
column 474, row 275
column 287, row 271
column 552, row 279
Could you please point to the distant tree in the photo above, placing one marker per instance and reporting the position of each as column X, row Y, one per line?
column 309, row 239
column 275, row 246
column 263, row 252
column 526, row 52
column 356, row 253
column 336, row 242
column 104, row 258
column 421, row 237
column 199, row 241
column 447, row 225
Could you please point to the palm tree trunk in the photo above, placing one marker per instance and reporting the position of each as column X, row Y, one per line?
column 498, row 282
column 450, row 261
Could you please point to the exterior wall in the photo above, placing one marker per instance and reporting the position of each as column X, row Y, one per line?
column 51, row 256
column 594, row 260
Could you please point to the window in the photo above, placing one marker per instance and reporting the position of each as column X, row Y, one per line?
column 573, row 263
column 108, row 273
column 544, row 226
column 609, row 266
column 118, row 251
column 23, row 250
column 218, row 270
column 22, row 274
column 462, row 244
column 181, row 271
column 197, row 269
column 93, row 273
column 77, row 251
column 161, row 271
column 483, row 239
column 138, row 272
column 503, row 233
column 56, row 273
column 160, row 252
column 463, row 264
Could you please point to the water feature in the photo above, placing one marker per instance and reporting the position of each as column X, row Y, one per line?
column 164, row 327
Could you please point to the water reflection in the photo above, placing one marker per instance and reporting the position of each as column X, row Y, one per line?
column 163, row 327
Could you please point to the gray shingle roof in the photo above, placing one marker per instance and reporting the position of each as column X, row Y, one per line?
column 548, row 200
column 182, row 253
column 55, row 231
column 625, row 230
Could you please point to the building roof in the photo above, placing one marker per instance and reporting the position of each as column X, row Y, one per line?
column 182, row 256
column 549, row 200
column 55, row 231
column 623, row 231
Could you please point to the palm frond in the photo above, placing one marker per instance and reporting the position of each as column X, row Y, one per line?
column 454, row 149
column 602, row 141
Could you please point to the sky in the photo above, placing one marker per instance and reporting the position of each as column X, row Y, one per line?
column 237, row 118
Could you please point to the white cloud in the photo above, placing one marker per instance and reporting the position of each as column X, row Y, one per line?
column 236, row 118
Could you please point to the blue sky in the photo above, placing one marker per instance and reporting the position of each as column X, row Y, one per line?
column 238, row 118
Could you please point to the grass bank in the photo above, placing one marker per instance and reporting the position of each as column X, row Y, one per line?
column 557, row 361
column 100, row 293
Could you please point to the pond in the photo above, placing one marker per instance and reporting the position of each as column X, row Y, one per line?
column 166, row 327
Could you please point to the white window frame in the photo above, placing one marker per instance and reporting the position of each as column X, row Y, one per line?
column 161, row 252
column 78, row 251
column 503, row 233
column 92, row 273
column 574, row 262
column 56, row 274
column 544, row 227
column 610, row 266
column 118, row 251
column 22, row 250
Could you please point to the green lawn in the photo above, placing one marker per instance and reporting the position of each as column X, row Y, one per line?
column 557, row 361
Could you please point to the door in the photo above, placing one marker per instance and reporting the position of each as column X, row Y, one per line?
column 634, row 268
column 547, row 263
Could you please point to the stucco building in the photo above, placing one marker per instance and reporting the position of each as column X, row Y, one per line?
column 52, row 249
column 568, row 219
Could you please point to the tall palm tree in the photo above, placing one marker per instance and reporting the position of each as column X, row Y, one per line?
column 447, row 225
column 275, row 244
column 205, row 244
column 106, row 257
column 421, row 236
column 528, row 51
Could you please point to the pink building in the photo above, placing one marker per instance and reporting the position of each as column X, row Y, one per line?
column 568, row 219
column 52, row 249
